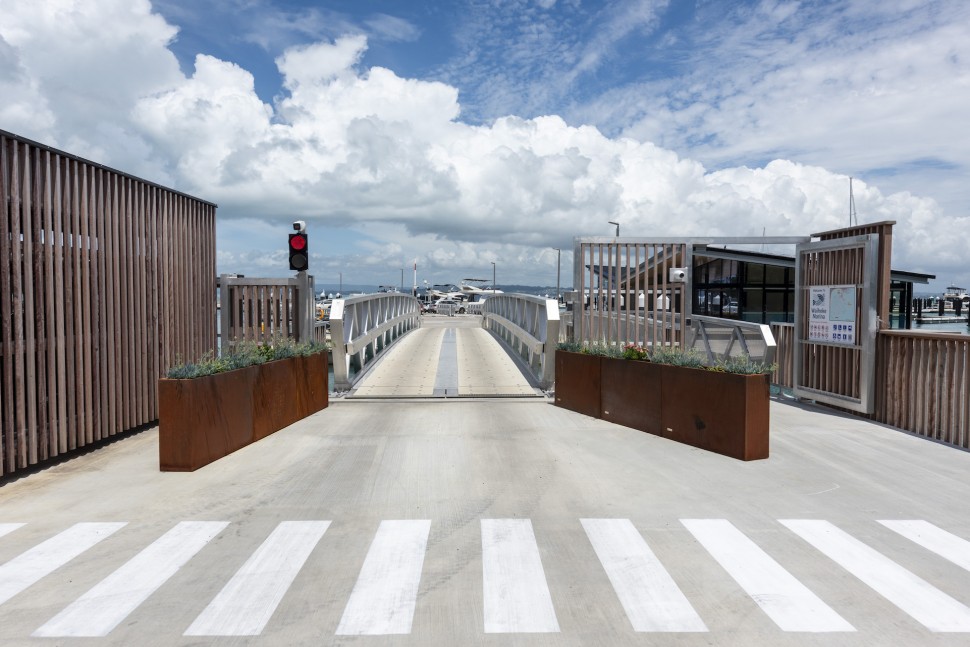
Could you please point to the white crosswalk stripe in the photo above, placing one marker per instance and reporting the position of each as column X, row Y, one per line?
column 515, row 594
column 247, row 602
column 929, row 606
column 6, row 528
column 385, row 593
column 935, row 539
column 45, row 558
column 514, row 584
column 100, row 610
column 649, row 595
column 788, row 602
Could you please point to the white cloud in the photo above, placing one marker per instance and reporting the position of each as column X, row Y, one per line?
column 320, row 62
column 357, row 149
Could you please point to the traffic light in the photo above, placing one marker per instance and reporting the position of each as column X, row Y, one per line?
column 299, row 254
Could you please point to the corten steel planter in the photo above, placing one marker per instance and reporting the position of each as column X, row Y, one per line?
column 724, row 413
column 578, row 382
column 631, row 393
column 287, row 391
column 202, row 419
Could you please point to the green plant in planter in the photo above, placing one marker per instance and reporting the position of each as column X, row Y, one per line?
column 243, row 354
column 742, row 365
column 675, row 356
column 604, row 350
column 570, row 346
column 671, row 355
column 597, row 349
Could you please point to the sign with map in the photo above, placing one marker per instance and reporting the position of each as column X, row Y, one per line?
column 832, row 314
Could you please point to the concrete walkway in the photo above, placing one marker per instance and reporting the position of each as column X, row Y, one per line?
column 448, row 357
column 488, row 522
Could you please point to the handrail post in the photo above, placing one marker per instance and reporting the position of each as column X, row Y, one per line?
column 341, row 361
column 551, row 341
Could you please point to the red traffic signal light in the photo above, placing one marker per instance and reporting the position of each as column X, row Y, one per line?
column 299, row 254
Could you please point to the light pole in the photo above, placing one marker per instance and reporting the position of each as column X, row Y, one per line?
column 402, row 280
column 493, row 278
column 617, row 227
column 558, row 268
column 340, row 290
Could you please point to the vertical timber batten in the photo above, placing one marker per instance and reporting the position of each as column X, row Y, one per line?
column 100, row 274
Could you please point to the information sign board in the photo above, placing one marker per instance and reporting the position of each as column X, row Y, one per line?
column 832, row 314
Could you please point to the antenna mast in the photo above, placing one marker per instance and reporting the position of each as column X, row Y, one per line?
column 853, row 216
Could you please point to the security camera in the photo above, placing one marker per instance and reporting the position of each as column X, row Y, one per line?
column 299, row 225
column 678, row 274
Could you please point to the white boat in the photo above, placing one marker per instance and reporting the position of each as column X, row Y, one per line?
column 477, row 292
column 954, row 294
column 445, row 291
column 469, row 290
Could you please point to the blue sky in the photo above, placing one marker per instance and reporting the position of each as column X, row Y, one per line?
column 455, row 134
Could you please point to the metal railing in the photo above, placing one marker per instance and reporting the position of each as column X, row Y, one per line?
column 719, row 339
column 363, row 327
column 529, row 325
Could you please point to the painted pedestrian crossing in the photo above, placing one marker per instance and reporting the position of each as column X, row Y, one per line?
column 929, row 606
column 386, row 592
column 788, row 602
column 515, row 594
column 100, row 610
column 649, row 595
column 45, row 558
column 248, row 600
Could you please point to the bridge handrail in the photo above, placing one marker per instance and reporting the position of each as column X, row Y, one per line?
column 719, row 338
column 529, row 325
column 362, row 327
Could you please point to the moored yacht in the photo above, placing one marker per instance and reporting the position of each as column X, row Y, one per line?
column 954, row 294
column 469, row 287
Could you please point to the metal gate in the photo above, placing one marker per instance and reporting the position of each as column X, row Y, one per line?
column 836, row 321
column 630, row 290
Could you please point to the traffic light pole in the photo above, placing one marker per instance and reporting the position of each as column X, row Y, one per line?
column 304, row 307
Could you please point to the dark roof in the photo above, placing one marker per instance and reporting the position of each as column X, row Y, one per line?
column 703, row 251
column 789, row 261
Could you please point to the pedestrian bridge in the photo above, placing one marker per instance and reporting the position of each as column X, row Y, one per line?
column 384, row 348
column 447, row 357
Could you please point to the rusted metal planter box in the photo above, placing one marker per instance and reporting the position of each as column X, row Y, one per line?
column 720, row 412
column 724, row 413
column 200, row 420
column 578, row 382
column 631, row 392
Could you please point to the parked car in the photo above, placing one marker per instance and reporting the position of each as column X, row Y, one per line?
column 428, row 308
column 449, row 307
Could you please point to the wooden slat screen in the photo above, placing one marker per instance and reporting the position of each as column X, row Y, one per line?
column 784, row 334
column 924, row 384
column 257, row 309
column 105, row 280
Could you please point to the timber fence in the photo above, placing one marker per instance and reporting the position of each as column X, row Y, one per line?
column 106, row 280
column 923, row 384
column 922, row 381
